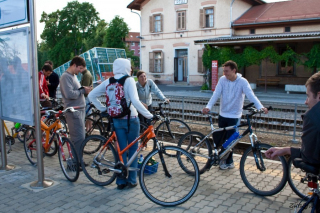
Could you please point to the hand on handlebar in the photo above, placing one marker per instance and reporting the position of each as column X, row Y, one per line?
column 265, row 110
column 205, row 110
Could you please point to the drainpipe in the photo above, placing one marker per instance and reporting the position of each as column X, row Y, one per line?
column 140, row 37
column 231, row 17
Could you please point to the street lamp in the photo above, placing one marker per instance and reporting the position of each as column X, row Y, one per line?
column 140, row 67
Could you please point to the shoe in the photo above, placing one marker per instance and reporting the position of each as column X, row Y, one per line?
column 132, row 185
column 121, row 186
column 225, row 166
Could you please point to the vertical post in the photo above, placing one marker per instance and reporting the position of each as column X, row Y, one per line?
column 140, row 37
column 295, row 124
column 183, row 108
column 34, row 67
column 4, row 166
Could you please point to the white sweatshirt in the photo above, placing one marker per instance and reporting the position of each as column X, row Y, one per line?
column 121, row 67
column 231, row 94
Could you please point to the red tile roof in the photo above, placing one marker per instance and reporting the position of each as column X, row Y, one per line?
column 133, row 37
column 281, row 12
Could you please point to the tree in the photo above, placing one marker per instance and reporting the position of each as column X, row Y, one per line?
column 66, row 31
column 313, row 57
column 98, row 36
column 117, row 31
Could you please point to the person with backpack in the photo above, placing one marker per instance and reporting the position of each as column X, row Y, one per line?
column 122, row 103
column 145, row 87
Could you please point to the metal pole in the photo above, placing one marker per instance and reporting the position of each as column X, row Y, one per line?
column 295, row 124
column 41, row 183
column 140, row 67
column 4, row 166
column 183, row 108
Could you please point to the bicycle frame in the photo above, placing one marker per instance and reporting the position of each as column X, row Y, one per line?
column 144, row 137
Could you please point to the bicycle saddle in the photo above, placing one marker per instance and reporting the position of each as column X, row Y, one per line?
column 299, row 163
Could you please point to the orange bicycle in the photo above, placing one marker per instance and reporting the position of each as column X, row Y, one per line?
column 50, row 135
column 164, row 182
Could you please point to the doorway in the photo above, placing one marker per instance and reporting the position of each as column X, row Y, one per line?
column 181, row 65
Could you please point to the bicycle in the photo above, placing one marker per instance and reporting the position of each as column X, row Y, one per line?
column 257, row 172
column 311, row 177
column 99, row 122
column 106, row 164
column 68, row 158
column 169, row 129
column 15, row 133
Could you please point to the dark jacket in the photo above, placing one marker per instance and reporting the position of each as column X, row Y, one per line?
column 54, row 82
column 310, row 147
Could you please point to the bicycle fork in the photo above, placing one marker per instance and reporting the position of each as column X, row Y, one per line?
column 257, row 152
column 161, row 151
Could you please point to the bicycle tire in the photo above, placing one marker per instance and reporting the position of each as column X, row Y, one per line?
column 53, row 148
column 176, row 189
column 201, row 155
column 151, row 145
column 21, row 133
column 99, row 175
column 294, row 179
column 266, row 183
column 177, row 127
column 68, row 159
column 30, row 146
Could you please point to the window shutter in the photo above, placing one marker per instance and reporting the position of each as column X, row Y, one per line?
column 151, row 24
column 162, row 62
column 201, row 18
column 200, row 63
column 178, row 20
column 183, row 19
column 161, row 21
column 151, row 62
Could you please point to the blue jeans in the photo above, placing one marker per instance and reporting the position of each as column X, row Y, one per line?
column 124, row 138
column 224, row 122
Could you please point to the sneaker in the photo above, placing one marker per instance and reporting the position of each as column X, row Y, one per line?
column 121, row 186
column 225, row 166
column 132, row 185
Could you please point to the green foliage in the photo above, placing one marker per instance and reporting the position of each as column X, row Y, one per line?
column 204, row 87
column 251, row 56
column 290, row 56
column 98, row 36
column 269, row 53
column 69, row 32
column 117, row 31
column 210, row 54
column 135, row 60
column 313, row 57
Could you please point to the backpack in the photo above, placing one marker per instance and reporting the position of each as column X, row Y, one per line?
column 115, row 99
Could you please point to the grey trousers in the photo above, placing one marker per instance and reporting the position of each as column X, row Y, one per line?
column 75, row 121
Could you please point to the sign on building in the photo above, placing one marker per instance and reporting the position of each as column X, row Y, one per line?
column 214, row 75
column 180, row 1
column 13, row 12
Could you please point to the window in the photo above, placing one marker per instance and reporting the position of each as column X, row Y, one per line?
column 156, row 62
column 181, row 20
column 132, row 44
column 252, row 31
column 156, row 23
column 207, row 17
column 201, row 68
column 287, row 29
column 286, row 68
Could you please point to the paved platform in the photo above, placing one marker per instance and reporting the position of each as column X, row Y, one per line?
column 219, row 191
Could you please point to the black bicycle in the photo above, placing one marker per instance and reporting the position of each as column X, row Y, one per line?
column 262, row 176
column 308, row 189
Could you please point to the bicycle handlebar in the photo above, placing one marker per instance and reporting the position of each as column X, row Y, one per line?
column 69, row 109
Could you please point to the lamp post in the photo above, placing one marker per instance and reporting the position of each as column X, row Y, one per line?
column 140, row 67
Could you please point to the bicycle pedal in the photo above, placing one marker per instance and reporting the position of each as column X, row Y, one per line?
column 105, row 171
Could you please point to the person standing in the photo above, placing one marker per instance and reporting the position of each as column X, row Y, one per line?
column 145, row 87
column 45, row 72
column 52, row 81
column 231, row 89
column 86, row 80
column 126, row 131
column 73, row 96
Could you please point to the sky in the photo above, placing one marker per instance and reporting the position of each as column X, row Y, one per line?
column 107, row 9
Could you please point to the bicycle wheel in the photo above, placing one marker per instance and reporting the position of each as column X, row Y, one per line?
column 151, row 145
column 171, row 132
column 21, row 133
column 165, row 183
column 94, row 127
column 68, row 160
column 30, row 145
column 98, row 163
column 294, row 180
column 267, row 182
column 53, row 148
column 201, row 153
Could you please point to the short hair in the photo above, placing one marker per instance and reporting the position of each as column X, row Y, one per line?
column 140, row 72
column 47, row 68
column 231, row 64
column 49, row 62
column 314, row 83
column 78, row 61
